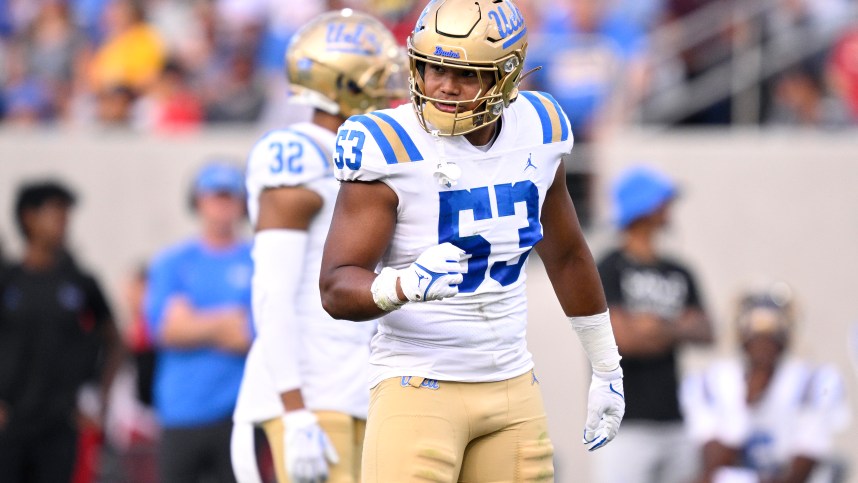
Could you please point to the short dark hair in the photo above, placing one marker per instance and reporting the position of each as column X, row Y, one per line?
column 34, row 195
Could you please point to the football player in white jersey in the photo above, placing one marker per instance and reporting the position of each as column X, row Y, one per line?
column 304, row 381
column 448, row 197
column 768, row 416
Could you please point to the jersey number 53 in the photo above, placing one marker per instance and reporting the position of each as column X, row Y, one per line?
column 478, row 200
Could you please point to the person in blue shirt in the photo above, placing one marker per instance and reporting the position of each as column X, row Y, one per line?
column 593, row 61
column 197, row 310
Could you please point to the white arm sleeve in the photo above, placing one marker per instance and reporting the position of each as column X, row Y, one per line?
column 278, row 259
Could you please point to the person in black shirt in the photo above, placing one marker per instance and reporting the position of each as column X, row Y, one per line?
column 655, row 309
column 56, row 334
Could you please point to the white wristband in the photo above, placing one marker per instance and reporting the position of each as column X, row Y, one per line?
column 597, row 338
column 384, row 290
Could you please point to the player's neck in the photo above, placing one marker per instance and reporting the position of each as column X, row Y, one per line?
column 484, row 135
column 330, row 122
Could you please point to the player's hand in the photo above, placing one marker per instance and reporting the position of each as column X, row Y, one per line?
column 606, row 406
column 435, row 275
column 308, row 449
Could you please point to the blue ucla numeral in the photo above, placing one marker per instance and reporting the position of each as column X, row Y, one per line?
column 355, row 140
column 292, row 162
column 507, row 25
column 452, row 204
column 477, row 200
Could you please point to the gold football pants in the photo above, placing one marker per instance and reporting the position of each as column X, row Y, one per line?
column 346, row 434
column 425, row 430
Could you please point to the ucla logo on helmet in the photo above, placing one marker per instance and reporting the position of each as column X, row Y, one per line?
column 351, row 39
column 508, row 19
column 421, row 19
column 448, row 53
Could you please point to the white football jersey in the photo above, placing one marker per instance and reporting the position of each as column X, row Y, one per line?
column 333, row 364
column 801, row 411
column 492, row 212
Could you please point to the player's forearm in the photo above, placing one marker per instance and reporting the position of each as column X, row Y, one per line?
column 577, row 285
column 346, row 294
column 186, row 331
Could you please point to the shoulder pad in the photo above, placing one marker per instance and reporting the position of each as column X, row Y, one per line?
column 368, row 144
column 554, row 123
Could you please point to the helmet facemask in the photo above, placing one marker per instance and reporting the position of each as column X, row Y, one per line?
column 498, row 88
column 487, row 37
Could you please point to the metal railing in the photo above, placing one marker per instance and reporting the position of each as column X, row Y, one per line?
column 761, row 52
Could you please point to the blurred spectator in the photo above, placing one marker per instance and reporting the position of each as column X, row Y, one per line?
column 843, row 70
column 171, row 105
column 88, row 16
column 52, row 48
column 114, row 106
column 237, row 95
column 28, row 100
column 197, row 311
column 132, row 53
column 644, row 14
column 56, row 335
column 765, row 417
column 5, row 19
column 800, row 98
column 656, row 308
column 594, row 63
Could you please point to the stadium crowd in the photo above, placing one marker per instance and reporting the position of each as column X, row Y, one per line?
column 168, row 65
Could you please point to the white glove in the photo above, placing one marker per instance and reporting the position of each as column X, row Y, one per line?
column 308, row 449
column 435, row 274
column 606, row 405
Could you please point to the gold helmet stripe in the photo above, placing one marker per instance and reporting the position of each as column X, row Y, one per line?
column 395, row 143
column 554, row 123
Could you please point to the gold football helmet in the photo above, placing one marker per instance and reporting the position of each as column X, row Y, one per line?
column 346, row 63
column 488, row 37
column 769, row 311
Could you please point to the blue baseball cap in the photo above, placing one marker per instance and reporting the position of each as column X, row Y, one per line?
column 219, row 177
column 640, row 191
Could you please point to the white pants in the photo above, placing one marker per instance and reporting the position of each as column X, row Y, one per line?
column 647, row 452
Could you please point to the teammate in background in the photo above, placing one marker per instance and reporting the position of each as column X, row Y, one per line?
column 656, row 308
column 765, row 416
column 450, row 203
column 56, row 335
column 305, row 380
column 197, row 311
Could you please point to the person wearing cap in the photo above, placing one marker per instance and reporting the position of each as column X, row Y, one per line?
column 57, row 336
column 656, row 308
column 197, row 308
column 765, row 416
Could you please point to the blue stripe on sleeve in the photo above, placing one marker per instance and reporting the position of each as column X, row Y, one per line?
column 410, row 148
column 543, row 115
column 378, row 135
column 564, row 129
